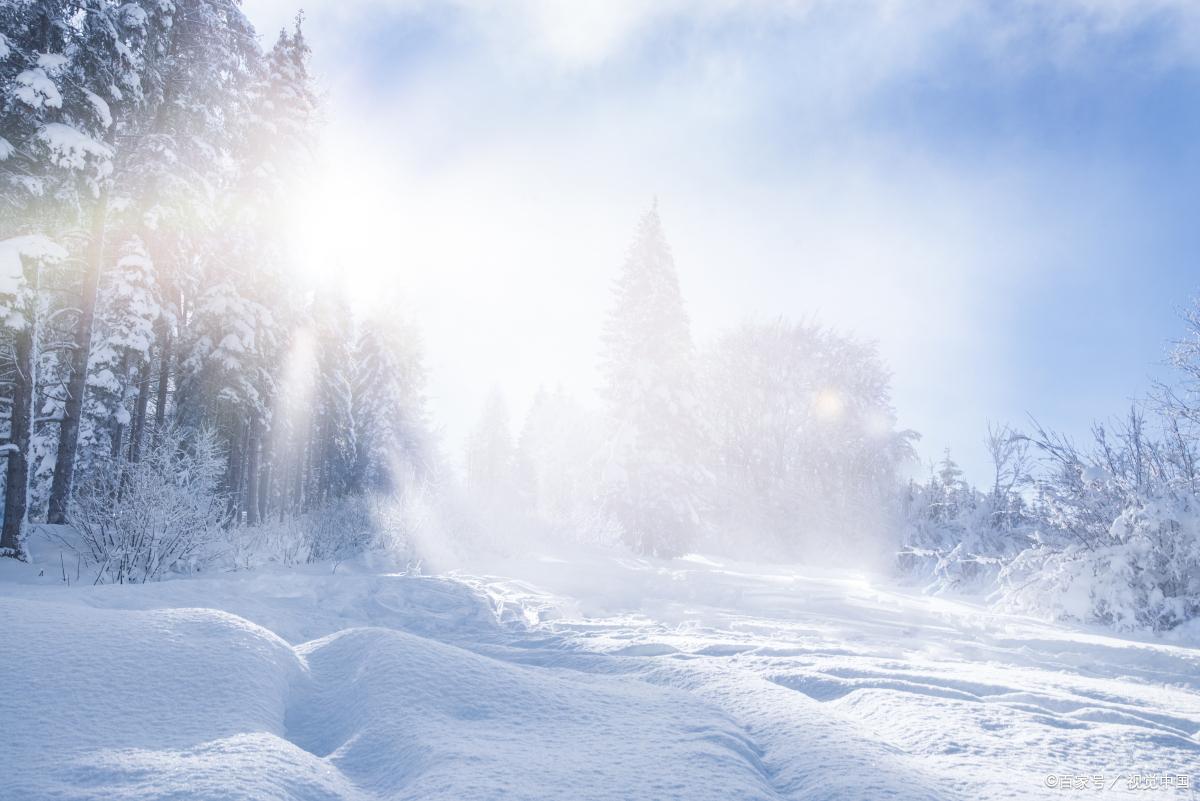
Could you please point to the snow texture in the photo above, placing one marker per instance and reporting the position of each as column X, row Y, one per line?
column 597, row 677
column 36, row 247
column 36, row 90
column 69, row 148
column 103, row 113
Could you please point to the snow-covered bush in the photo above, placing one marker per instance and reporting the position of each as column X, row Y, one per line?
column 138, row 520
column 1145, row 575
column 957, row 537
column 342, row 529
column 280, row 541
column 1106, row 534
column 389, row 525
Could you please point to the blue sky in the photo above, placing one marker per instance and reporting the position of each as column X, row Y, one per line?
column 1002, row 194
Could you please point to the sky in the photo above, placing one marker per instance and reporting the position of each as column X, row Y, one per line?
column 1001, row 194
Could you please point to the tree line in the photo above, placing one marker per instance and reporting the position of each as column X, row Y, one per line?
column 776, row 438
column 147, row 151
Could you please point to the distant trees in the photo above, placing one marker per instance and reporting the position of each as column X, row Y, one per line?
column 652, row 470
column 1104, row 532
column 393, row 442
column 146, row 150
column 490, row 456
column 776, row 438
column 802, row 450
column 556, row 463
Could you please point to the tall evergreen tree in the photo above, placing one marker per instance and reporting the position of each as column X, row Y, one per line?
column 490, row 455
column 393, row 444
column 652, row 477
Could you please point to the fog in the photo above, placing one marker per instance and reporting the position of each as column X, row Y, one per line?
column 810, row 160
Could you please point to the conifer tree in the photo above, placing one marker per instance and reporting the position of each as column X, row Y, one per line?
column 652, row 476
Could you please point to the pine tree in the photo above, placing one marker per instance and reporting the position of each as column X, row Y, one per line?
column 333, row 433
column 22, row 262
column 105, row 87
column 555, row 462
column 490, row 456
column 129, row 309
column 393, row 444
column 652, row 477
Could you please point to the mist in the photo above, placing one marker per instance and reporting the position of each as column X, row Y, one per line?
column 696, row 400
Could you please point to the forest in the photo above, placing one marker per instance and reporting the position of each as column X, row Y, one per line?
column 472, row 401
column 176, row 399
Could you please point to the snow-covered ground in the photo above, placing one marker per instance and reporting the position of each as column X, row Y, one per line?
column 594, row 677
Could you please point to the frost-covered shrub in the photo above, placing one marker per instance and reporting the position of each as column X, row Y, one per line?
column 959, row 538
column 1108, row 533
column 346, row 528
column 140, row 520
column 284, row 542
column 1145, row 575
column 340, row 530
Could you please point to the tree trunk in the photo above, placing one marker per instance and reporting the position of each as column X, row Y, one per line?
column 138, row 427
column 118, row 430
column 17, row 473
column 233, row 474
column 68, row 434
column 265, row 487
column 252, row 466
column 164, row 382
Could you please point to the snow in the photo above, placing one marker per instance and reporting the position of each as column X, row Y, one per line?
column 103, row 113
column 586, row 676
column 37, row 90
column 69, row 147
column 6, row 149
column 34, row 246
column 52, row 62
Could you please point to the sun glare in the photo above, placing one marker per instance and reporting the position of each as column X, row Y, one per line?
column 828, row 405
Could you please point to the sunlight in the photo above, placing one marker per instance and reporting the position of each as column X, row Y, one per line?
column 345, row 230
column 673, row 400
column 828, row 405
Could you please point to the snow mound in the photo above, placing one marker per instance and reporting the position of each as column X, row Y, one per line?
column 203, row 704
column 123, row 701
column 409, row 718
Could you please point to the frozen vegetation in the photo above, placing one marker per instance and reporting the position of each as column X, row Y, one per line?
column 240, row 560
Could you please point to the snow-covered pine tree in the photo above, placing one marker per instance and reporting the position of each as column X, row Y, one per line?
column 332, row 449
column 278, row 145
column 22, row 262
column 128, row 311
column 393, row 444
column 489, row 456
column 100, row 67
column 556, row 462
column 652, row 476
column 179, row 158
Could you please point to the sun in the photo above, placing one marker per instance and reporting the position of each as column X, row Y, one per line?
column 828, row 405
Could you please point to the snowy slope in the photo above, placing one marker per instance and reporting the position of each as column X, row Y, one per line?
column 595, row 678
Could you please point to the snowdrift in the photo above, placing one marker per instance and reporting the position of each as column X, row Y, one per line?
column 588, row 678
column 202, row 704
